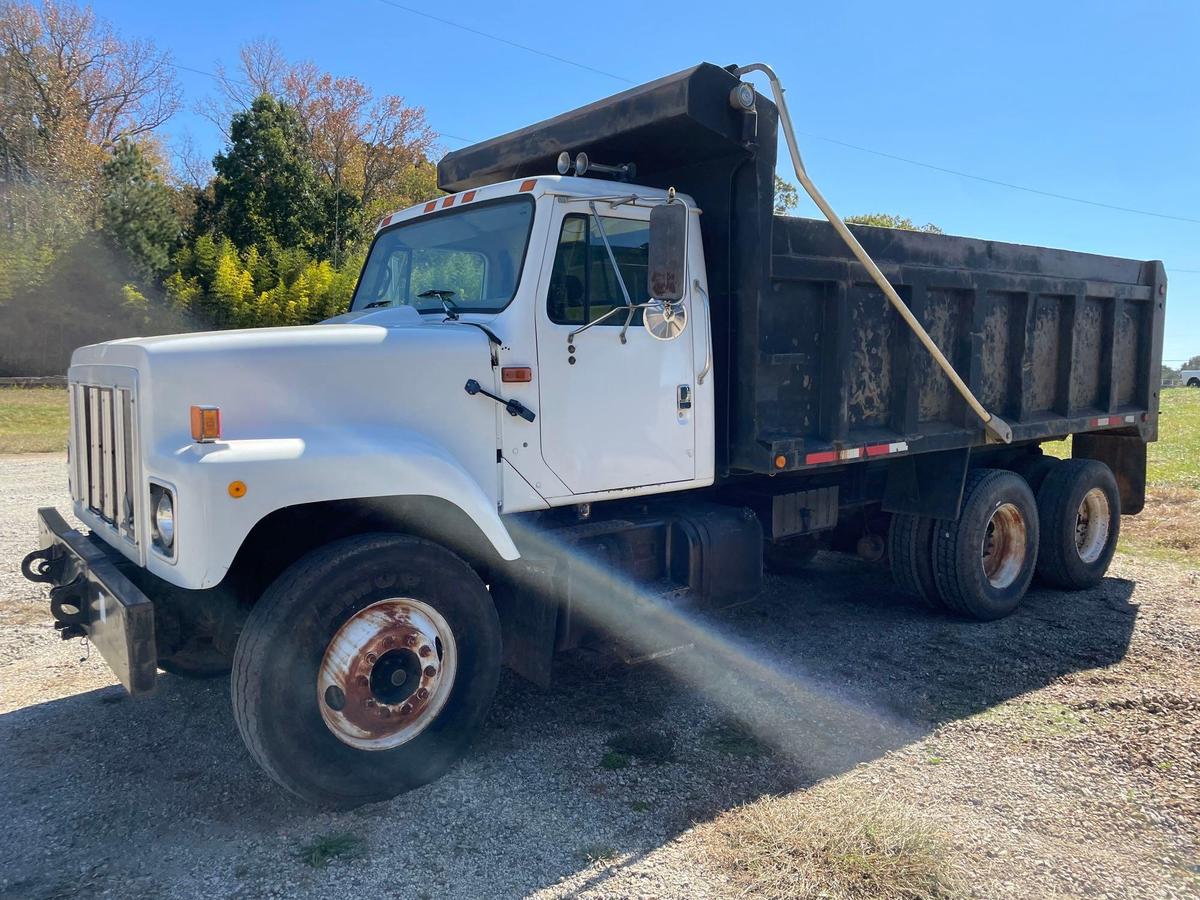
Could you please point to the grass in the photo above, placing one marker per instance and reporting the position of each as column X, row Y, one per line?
column 1169, row 527
column 325, row 849
column 834, row 843
column 612, row 760
column 599, row 853
column 33, row 420
column 1029, row 720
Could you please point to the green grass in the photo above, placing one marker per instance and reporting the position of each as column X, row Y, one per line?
column 1029, row 720
column 33, row 420
column 325, row 849
column 613, row 760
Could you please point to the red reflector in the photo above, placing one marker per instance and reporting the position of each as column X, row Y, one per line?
column 387, row 220
column 823, row 457
column 878, row 449
column 517, row 374
column 448, row 202
column 206, row 423
column 468, row 197
column 431, row 206
column 529, row 185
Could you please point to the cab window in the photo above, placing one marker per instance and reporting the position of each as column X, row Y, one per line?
column 583, row 286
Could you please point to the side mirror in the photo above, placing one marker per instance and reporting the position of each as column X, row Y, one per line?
column 666, row 273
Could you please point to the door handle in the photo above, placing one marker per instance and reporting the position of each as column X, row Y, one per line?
column 683, row 397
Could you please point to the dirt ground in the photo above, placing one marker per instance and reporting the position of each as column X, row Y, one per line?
column 1058, row 751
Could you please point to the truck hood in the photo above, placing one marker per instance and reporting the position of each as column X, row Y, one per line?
column 386, row 367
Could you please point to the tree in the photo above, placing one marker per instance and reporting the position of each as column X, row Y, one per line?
column 266, row 191
column 70, row 91
column 364, row 149
column 137, row 209
column 786, row 196
column 1193, row 363
column 67, row 78
column 886, row 220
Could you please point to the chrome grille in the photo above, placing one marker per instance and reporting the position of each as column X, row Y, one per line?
column 104, row 443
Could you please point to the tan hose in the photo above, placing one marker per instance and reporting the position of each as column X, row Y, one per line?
column 996, row 427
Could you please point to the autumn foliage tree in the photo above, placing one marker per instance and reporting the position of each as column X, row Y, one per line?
column 371, row 153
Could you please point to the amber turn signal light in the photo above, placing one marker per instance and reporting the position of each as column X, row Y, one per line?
column 518, row 374
column 206, row 424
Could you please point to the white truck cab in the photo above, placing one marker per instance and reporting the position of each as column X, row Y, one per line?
column 564, row 407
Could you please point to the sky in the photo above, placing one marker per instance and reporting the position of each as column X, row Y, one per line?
column 1096, row 100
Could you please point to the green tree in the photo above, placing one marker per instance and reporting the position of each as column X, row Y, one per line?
column 137, row 209
column 786, row 196
column 266, row 189
column 886, row 220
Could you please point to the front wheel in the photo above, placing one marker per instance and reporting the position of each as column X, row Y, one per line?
column 366, row 668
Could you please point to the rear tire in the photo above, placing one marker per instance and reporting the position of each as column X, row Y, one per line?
column 349, row 608
column 1080, row 510
column 910, row 550
column 984, row 562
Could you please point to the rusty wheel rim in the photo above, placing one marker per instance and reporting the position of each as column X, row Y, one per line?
column 1092, row 523
column 386, row 674
column 1003, row 550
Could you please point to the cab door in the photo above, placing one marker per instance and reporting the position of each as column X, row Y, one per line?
column 613, row 415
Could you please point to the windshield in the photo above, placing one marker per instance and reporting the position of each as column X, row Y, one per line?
column 474, row 251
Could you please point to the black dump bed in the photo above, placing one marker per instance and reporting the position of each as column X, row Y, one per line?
column 810, row 360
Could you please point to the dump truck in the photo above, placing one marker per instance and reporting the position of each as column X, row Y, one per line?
column 597, row 385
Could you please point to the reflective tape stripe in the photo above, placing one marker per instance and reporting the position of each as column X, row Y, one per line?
column 851, row 453
column 824, row 456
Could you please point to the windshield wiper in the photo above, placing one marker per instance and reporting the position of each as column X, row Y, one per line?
column 447, row 298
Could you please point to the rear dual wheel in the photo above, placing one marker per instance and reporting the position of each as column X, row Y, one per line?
column 1080, row 511
column 980, row 565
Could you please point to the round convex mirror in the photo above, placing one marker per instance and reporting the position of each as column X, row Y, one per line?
column 664, row 321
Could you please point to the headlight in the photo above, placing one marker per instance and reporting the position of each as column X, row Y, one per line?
column 164, row 520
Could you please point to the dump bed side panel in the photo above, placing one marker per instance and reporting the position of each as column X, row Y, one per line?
column 1053, row 341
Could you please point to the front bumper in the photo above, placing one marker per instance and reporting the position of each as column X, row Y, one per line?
column 90, row 597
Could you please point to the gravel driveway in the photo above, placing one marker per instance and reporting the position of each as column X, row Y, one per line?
column 1060, row 749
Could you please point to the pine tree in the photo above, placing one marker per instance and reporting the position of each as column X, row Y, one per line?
column 137, row 210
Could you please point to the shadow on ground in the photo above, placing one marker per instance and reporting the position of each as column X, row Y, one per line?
column 99, row 792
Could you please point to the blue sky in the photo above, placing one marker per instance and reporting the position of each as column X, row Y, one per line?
column 1094, row 100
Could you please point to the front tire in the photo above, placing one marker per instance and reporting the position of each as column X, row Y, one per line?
column 366, row 668
column 1080, row 510
column 984, row 562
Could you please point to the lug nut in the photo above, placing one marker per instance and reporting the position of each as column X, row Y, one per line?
column 370, row 701
column 410, row 639
column 430, row 671
column 406, row 709
column 371, row 657
column 422, row 694
column 389, row 641
column 426, row 650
